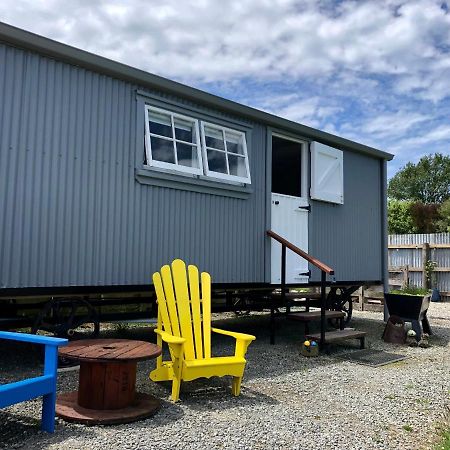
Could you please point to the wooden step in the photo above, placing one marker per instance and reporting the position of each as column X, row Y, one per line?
column 340, row 335
column 311, row 316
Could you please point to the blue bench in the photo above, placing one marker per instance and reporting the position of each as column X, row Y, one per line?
column 44, row 386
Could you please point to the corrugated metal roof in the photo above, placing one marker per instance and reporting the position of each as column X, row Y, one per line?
column 24, row 39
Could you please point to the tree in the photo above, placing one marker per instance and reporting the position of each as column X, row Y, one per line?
column 400, row 220
column 444, row 221
column 428, row 181
column 425, row 217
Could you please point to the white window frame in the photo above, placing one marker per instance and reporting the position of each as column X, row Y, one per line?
column 219, row 175
column 172, row 166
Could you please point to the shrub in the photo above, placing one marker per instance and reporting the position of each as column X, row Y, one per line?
column 411, row 290
column 400, row 220
column 425, row 217
column 443, row 223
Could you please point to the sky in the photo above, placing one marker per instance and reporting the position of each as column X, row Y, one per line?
column 376, row 72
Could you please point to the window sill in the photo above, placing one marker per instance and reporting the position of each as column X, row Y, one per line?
column 194, row 183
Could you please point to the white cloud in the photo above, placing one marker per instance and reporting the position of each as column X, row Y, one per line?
column 429, row 138
column 393, row 124
column 374, row 71
column 310, row 111
column 210, row 41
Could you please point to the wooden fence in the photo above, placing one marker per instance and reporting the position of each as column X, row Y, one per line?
column 421, row 260
column 409, row 257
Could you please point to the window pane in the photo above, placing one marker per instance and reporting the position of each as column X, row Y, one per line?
column 237, row 165
column 184, row 130
column 187, row 155
column 214, row 138
column 217, row 161
column 234, row 143
column 160, row 124
column 162, row 150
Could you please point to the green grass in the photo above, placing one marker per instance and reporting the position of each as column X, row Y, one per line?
column 410, row 290
column 445, row 444
column 407, row 427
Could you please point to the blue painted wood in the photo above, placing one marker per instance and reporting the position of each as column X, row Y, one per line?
column 49, row 400
column 21, row 391
column 44, row 385
column 33, row 338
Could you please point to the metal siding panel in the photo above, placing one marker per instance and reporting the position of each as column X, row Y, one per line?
column 413, row 256
column 349, row 237
column 74, row 213
column 12, row 191
column 58, row 186
column 220, row 234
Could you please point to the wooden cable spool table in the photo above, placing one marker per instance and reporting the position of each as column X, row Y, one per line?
column 106, row 389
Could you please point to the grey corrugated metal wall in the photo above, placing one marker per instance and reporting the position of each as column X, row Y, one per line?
column 399, row 257
column 348, row 237
column 73, row 213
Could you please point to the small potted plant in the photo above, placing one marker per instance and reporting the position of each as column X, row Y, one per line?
column 411, row 304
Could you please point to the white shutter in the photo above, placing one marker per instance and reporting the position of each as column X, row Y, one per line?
column 327, row 173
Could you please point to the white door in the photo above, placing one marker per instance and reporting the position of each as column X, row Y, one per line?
column 290, row 221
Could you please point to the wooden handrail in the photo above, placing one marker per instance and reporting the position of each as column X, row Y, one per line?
column 314, row 261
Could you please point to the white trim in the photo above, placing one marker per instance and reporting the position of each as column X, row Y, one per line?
column 172, row 166
column 225, row 176
column 289, row 138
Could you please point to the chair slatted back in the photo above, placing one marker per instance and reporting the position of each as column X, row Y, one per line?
column 183, row 310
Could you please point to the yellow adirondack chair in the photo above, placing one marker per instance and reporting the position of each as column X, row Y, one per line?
column 184, row 323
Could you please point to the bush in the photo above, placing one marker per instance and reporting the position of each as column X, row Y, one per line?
column 425, row 217
column 400, row 220
column 443, row 223
column 411, row 290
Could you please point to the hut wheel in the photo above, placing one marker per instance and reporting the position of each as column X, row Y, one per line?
column 241, row 306
column 339, row 299
column 73, row 318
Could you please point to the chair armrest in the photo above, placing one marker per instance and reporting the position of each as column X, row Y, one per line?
column 175, row 343
column 240, row 336
column 170, row 339
column 33, row 338
column 242, row 341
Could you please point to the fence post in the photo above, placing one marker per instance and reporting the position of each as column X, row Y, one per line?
column 361, row 298
column 425, row 258
column 406, row 275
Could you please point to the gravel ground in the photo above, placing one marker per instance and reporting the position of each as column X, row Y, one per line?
column 287, row 401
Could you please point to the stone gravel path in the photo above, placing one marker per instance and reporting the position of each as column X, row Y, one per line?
column 287, row 401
